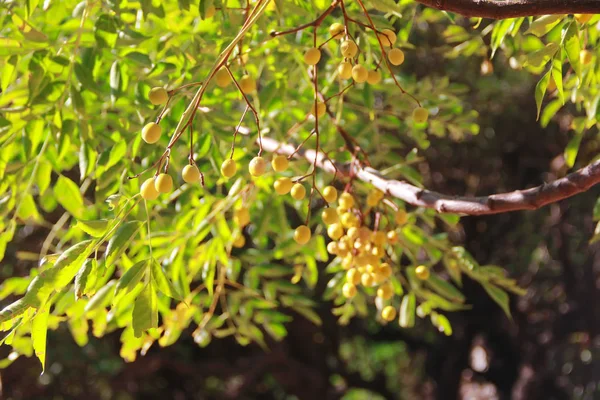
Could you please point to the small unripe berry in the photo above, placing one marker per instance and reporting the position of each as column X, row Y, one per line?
column 583, row 18
column 359, row 73
column 280, row 163
column 586, row 57
column 379, row 238
column 222, row 78
column 367, row 279
column 401, row 217
column 349, row 49
column 387, row 37
column 151, row 132
column 228, row 168
column 210, row 12
column 346, row 200
column 373, row 77
column 336, row 30
column 385, row 291
column 422, row 272
column 321, row 109
column 247, row 84
column 298, row 191
column 190, row 174
column 332, row 248
column 302, row 234
column 353, row 276
column 396, row 56
column 388, row 313
column 241, row 216
column 163, row 183
column 148, row 191
column 335, row 231
column 257, row 166
column 349, row 290
column 329, row 194
column 329, row 216
column 392, row 237
column 239, row 241
column 158, row 96
column 345, row 70
column 420, row 115
column 312, row 56
column 385, row 269
column 283, row 186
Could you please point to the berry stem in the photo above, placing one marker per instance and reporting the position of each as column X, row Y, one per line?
column 235, row 132
column 317, row 22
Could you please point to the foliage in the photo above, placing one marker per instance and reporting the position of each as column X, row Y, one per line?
column 76, row 79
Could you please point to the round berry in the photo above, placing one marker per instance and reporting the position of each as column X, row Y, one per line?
column 379, row 238
column 210, row 12
column 222, row 78
column 329, row 216
column 329, row 194
column 349, row 220
column 241, row 216
column 302, row 234
column 422, row 272
column 392, row 237
column 352, row 233
column 586, row 57
column 239, row 241
column 385, row 291
column 346, row 201
column 332, row 248
column 280, row 163
column 190, row 174
column 148, row 191
column 353, row 276
column 420, row 115
column 336, row 30
column 486, row 68
column 257, row 166
column 387, row 37
column 401, row 217
column 163, row 183
column 388, row 313
column 247, row 84
column 151, row 132
column 583, row 18
column 298, row 191
column 349, row 290
column 228, row 168
column 396, row 56
column 359, row 73
column 349, row 49
column 385, row 270
column 312, row 56
column 367, row 279
column 283, row 186
column 158, row 96
column 373, row 77
column 321, row 109
column 345, row 70
column 335, row 231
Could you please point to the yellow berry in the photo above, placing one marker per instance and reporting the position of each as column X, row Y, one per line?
column 349, row 220
column 329, row 194
column 385, row 269
column 387, row 37
column 586, row 57
column 486, row 68
column 329, row 216
column 348, row 261
column 222, row 78
column 396, row 56
column 388, row 313
column 190, row 174
column 247, row 84
column 349, row 49
column 349, row 290
column 583, row 18
column 280, row 163
column 379, row 238
column 336, row 30
column 392, row 237
column 335, row 231
column 302, row 234
column 241, row 216
column 239, row 241
column 332, row 248
column 401, row 217
column 352, row 233
column 373, row 77
column 364, row 234
column 385, row 291
column 359, row 73
column 228, row 168
column 312, row 56
column 346, row 200
column 210, row 12
column 148, row 191
column 163, row 183
column 257, row 166
column 283, row 186
column 353, row 276
column 321, row 109
column 151, row 132
column 420, row 115
column 367, row 279
column 345, row 70
column 298, row 191
column 158, row 96
column 422, row 272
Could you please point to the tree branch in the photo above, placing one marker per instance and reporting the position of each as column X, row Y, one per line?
column 500, row 9
column 528, row 199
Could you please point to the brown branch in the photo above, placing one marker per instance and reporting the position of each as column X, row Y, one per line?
column 500, row 9
column 528, row 199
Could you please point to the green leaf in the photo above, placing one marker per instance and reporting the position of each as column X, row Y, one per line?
column 145, row 311
column 67, row 194
column 94, row 228
column 544, row 24
column 115, row 81
column 499, row 296
column 43, row 175
column 102, row 297
column 13, row 311
column 539, row 58
column 445, row 289
column 118, row 243
column 540, row 91
column 163, row 283
column 557, row 77
column 39, row 331
column 130, row 279
column 82, row 277
column 572, row 46
column 572, row 149
column 407, row 311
